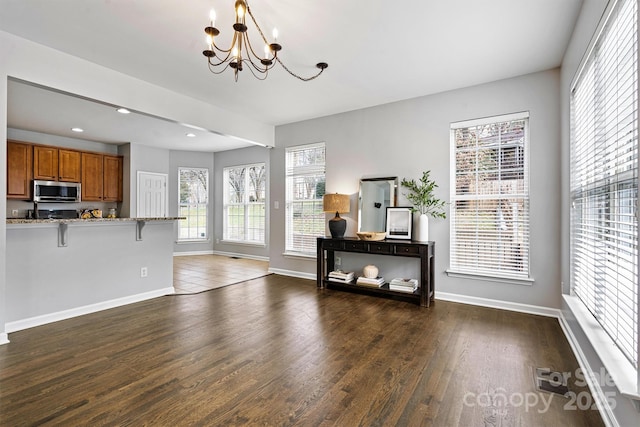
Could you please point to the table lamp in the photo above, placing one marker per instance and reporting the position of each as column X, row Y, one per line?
column 338, row 203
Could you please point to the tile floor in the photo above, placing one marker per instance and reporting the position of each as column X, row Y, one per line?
column 198, row 273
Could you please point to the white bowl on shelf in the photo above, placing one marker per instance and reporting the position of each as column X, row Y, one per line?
column 371, row 235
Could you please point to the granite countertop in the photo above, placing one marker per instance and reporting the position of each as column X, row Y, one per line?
column 80, row 220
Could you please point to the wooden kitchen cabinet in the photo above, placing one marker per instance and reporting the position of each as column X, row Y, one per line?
column 92, row 176
column 19, row 170
column 45, row 163
column 56, row 164
column 99, row 174
column 69, row 162
column 112, row 178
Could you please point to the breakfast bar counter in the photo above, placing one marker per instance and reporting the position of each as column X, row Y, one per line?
column 14, row 221
column 61, row 268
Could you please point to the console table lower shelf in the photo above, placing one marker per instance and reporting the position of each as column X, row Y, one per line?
column 425, row 293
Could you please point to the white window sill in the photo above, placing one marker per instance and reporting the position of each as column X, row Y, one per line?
column 187, row 241
column 242, row 243
column 299, row 255
column 621, row 370
column 500, row 279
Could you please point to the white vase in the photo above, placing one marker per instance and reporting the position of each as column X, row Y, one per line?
column 370, row 272
column 423, row 228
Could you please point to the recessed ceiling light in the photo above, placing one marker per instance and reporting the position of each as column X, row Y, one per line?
column 191, row 135
column 123, row 111
column 77, row 130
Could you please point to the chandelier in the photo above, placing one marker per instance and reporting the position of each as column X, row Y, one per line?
column 241, row 52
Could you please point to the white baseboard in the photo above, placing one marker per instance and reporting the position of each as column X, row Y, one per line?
column 503, row 305
column 4, row 338
column 190, row 253
column 291, row 273
column 222, row 253
column 31, row 322
column 245, row 256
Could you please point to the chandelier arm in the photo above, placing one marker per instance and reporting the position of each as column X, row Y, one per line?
column 263, row 73
column 247, row 42
column 218, row 72
column 223, row 50
column 304, row 79
column 222, row 61
column 261, row 69
column 227, row 51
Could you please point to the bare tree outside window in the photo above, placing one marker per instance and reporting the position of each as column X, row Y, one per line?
column 490, row 200
column 244, row 203
column 193, row 203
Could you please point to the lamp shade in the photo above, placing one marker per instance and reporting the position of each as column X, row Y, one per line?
column 336, row 203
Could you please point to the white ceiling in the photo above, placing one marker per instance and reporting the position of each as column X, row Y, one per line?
column 379, row 51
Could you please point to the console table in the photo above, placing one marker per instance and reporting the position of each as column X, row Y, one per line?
column 424, row 295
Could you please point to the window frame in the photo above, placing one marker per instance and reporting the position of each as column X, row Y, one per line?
column 616, row 361
column 206, row 206
column 318, row 216
column 459, row 269
column 246, row 204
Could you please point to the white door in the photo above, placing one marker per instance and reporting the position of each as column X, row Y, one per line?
column 152, row 195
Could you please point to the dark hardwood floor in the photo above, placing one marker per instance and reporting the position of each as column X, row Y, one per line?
column 275, row 351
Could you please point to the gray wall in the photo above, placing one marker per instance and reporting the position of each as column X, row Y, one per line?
column 243, row 156
column 624, row 411
column 142, row 158
column 193, row 159
column 405, row 138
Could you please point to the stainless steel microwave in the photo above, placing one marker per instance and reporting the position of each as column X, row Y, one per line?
column 56, row 192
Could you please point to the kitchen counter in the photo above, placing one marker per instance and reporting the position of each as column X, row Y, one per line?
column 80, row 220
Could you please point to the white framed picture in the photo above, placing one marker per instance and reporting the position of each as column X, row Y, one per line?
column 399, row 221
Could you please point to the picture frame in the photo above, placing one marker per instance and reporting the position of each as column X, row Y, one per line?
column 399, row 223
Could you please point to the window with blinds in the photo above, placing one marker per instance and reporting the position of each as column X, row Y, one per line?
column 244, row 203
column 305, row 182
column 490, row 197
column 604, row 180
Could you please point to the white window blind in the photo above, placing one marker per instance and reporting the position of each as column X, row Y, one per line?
column 305, row 179
column 490, row 197
column 193, row 187
column 604, row 180
column 244, row 203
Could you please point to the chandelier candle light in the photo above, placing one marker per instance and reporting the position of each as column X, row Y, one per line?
column 241, row 51
column 338, row 203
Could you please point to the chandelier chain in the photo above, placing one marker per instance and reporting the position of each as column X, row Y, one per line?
column 304, row 79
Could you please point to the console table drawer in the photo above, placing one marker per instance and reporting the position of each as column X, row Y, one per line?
column 334, row 245
column 407, row 250
column 380, row 248
column 356, row 246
